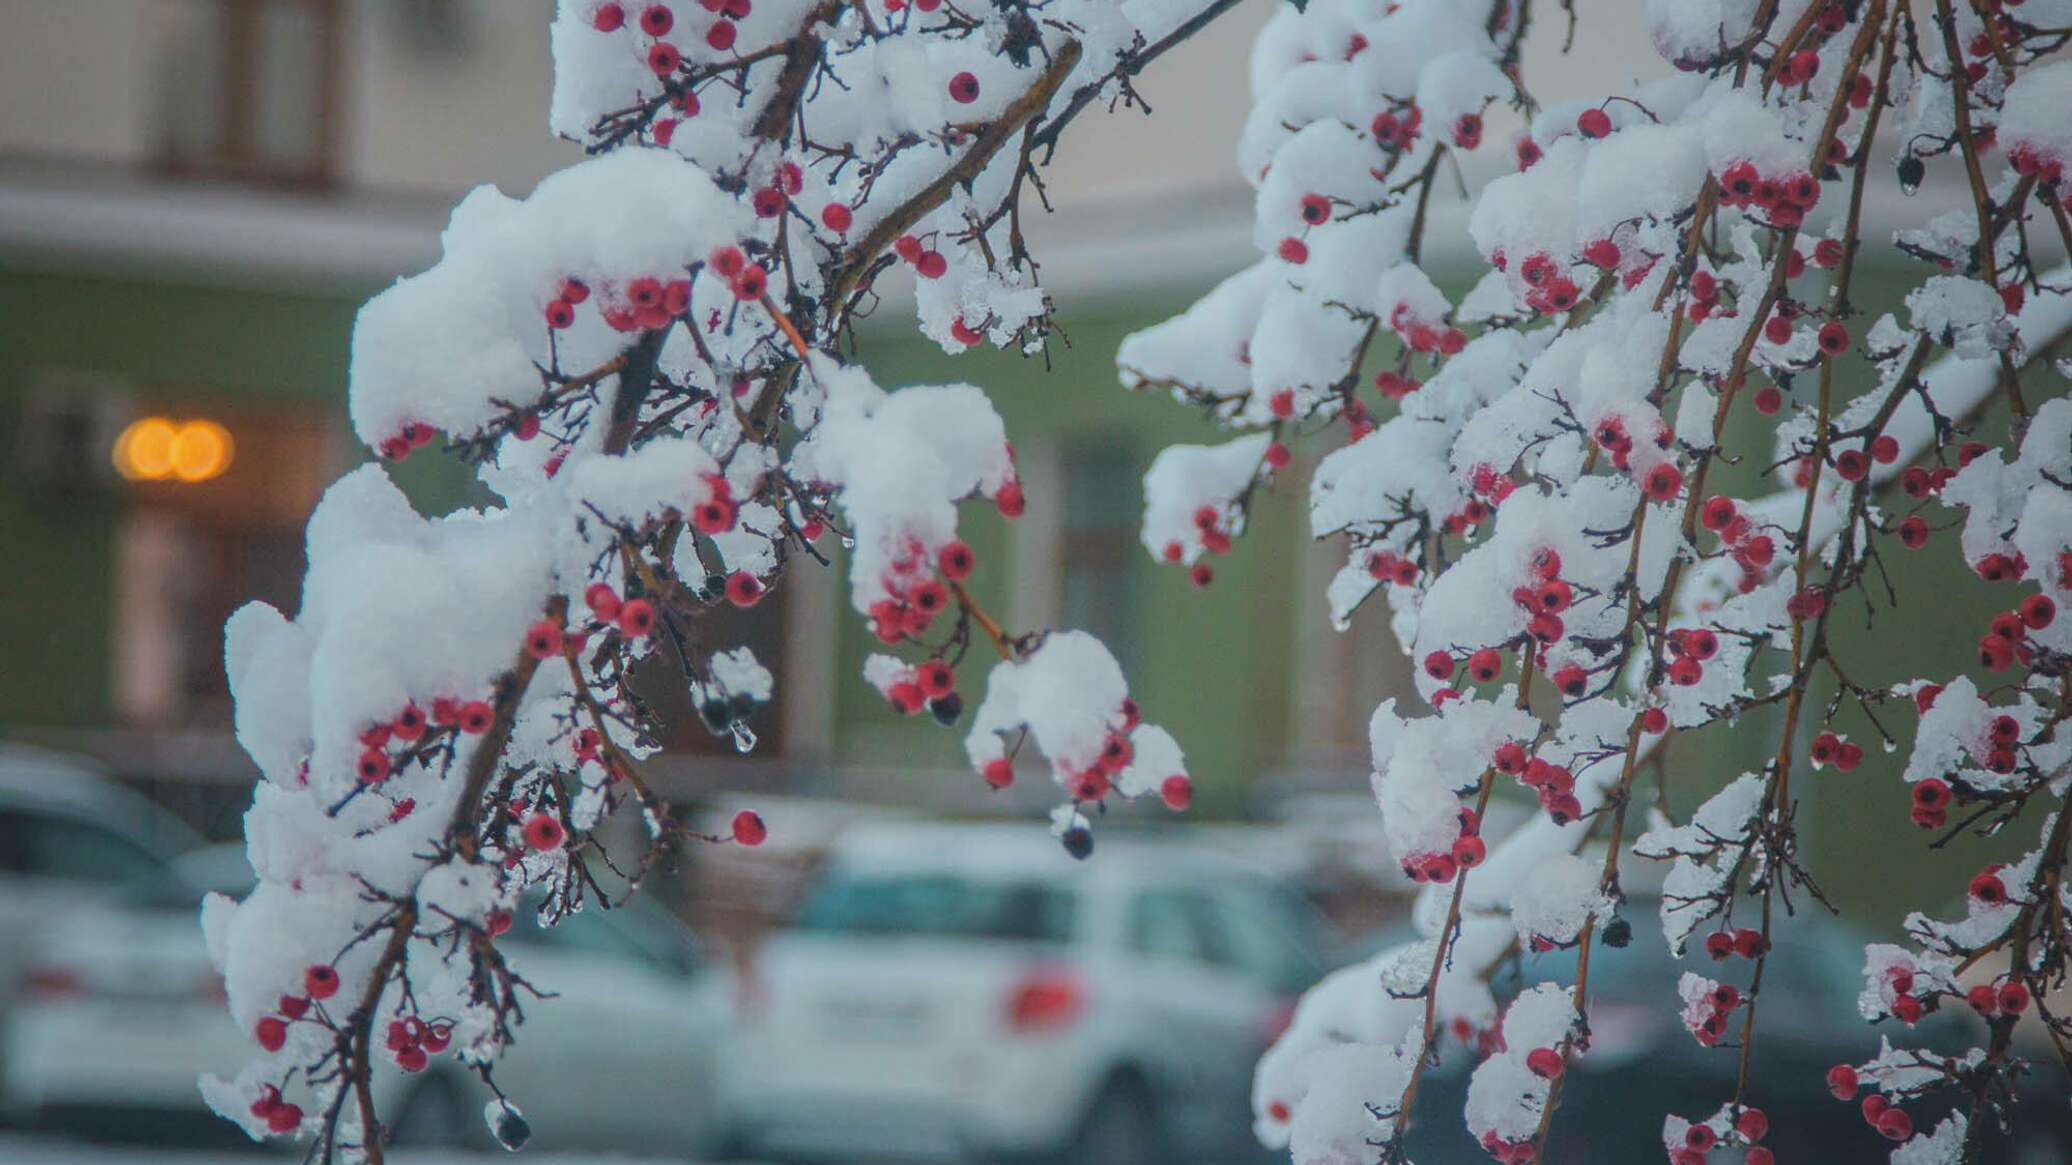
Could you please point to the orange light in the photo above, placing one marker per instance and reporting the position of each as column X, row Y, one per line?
column 159, row 449
column 201, row 450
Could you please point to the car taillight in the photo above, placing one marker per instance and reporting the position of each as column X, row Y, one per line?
column 53, row 983
column 1045, row 999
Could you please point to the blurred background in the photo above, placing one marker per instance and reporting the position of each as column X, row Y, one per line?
column 196, row 195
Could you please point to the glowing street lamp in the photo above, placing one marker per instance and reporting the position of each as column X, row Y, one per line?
column 161, row 449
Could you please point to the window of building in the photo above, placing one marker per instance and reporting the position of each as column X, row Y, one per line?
column 250, row 89
column 1099, row 549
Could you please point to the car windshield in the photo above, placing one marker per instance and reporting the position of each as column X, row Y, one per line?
column 938, row 904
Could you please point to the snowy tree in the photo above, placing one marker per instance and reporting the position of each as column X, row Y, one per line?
column 651, row 361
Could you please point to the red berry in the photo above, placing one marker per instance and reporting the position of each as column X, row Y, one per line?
column 662, row 58
column 1439, row 666
column 1201, row 574
column 1987, row 888
column 998, row 772
column 720, row 36
column 271, row 1032
column 1913, row 532
column 371, row 765
column 1654, row 721
column 560, row 314
column 964, row 88
column 1895, row 1124
column 935, row 678
column 836, row 217
column 1663, row 482
column 1841, row 1081
column 636, row 618
column 1469, row 851
column 1749, row 943
column 743, row 589
column 320, row 981
column 292, row 1006
column 1594, row 123
column 602, row 600
column 476, row 717
column 1572, row 681
column 1544, row 1063
column 955, row 561
column 1718, row 512
column 284, row 1118
column 1983, row 999
column 1484, row 665
column 1177, row 792
column 543, row 639
column 713, row 516
column 1769, row 399
column 1833, row 338
column 656, row 20
column 543, row 832
column 2014, row 998
column 2038, row 612
column 749, row 829
column 1293, row 250
column 608, row 18
column 1719, row 944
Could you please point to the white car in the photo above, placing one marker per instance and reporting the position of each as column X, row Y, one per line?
column 970, row 990
column 121, row 1012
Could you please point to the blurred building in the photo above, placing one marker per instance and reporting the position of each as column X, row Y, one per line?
column 196, row 195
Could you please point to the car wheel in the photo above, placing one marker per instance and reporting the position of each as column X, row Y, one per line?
column 437, row 1115
column 1121, row 1128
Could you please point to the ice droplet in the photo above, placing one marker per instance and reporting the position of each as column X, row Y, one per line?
column 744, row 737
column 507, row 1124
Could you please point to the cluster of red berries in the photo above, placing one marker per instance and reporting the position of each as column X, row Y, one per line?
column 1395, row 132
column 1394, row 385
column 926, row 261
column 747, row 280
column 280, row 1116
column 919, row 5
column 1553, row 784
column 1467, row 852
column 1784, row 199
column 1931, row 802
column 1711, row 1026
column 1689, row 648
column 657, row 20
column 1752, row 551
column 412, row 1042
column 2008, row 999
column 1750, row 1125
column 1746, row 942
column 2027, row 160
column 770, row 201
column 1891, row 1121
column 1548, row 289
column 1389, row 567
column 319, row 982
column 1907, row 1007
column 409, row 726
column 1215, row 538
column 2006, row 641
column 913, row 599
column 1829, row 749
column 1662, row 481
column 414, row 435
column 1425, row 336
column 929, row 684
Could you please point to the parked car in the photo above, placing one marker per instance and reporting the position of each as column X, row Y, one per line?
column 970, row 990
column 1643, row 1065
column 122, row 1012
column 69, row 834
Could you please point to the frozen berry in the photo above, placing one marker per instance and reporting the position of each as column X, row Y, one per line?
column 543, row 832
column 271, row 1032
column 964, row 88
column 1594, row 123
column 543, row 639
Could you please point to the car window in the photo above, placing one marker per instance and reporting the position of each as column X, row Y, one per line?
column 44, row 845
column 938, row 904
column 1174, row 924
column 614, row 933
column 1264, row 939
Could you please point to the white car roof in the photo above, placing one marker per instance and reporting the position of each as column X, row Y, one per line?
column 1024, row 849
column 53, row 782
